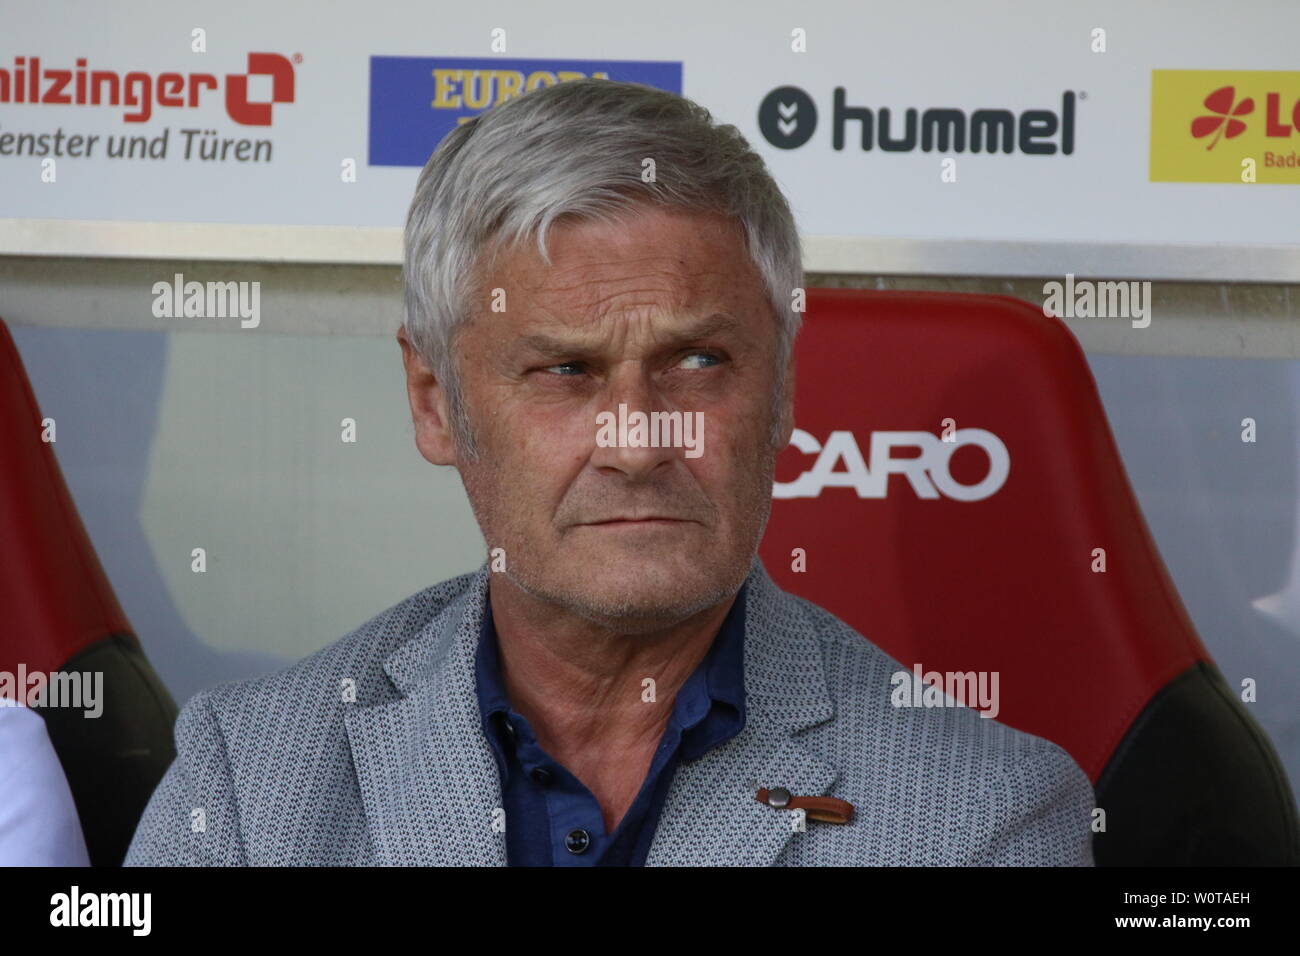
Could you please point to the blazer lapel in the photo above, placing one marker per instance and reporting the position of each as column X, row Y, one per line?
column 712, row 815
column 429, row 781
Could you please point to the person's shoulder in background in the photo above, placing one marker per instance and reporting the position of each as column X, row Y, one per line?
column 942, row 785
column 261, row 747
column 39, row 825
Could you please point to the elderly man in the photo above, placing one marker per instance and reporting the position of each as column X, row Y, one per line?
column 620, row 683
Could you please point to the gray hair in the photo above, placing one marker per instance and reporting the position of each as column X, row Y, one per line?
column 574, row 151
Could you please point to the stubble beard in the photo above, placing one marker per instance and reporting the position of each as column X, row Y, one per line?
column 630, row 609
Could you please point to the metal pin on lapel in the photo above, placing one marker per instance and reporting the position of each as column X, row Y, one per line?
column 825, row 809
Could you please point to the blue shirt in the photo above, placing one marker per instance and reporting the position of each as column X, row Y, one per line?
column 552, row 819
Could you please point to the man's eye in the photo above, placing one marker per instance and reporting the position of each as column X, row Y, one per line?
column 709, row 357
column 695, row 360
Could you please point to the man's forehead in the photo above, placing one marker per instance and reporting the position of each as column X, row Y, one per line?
column 656, row 244
column 680, row 275
column 593, row 273
column 561, row 337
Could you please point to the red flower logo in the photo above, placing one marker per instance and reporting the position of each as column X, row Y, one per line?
column 1220, row 103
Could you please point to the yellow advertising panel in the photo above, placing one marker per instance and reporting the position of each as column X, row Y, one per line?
column 1225, row 126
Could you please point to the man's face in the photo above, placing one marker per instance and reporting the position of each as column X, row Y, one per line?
column 663, row 312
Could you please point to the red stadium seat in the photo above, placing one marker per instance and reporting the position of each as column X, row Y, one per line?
column 984, row 553
column 60, row 615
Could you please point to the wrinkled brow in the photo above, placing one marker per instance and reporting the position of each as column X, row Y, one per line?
column 718, row 324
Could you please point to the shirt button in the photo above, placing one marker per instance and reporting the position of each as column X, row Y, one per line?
column 541, row 775
column 577, row 841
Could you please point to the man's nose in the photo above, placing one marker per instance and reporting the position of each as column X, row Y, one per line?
column 628, row 438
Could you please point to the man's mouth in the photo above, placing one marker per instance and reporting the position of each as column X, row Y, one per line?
column 636, row 521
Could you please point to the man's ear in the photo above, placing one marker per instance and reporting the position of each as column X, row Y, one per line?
column 429, row 406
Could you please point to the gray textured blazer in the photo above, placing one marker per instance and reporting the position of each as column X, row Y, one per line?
column 371, row 752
